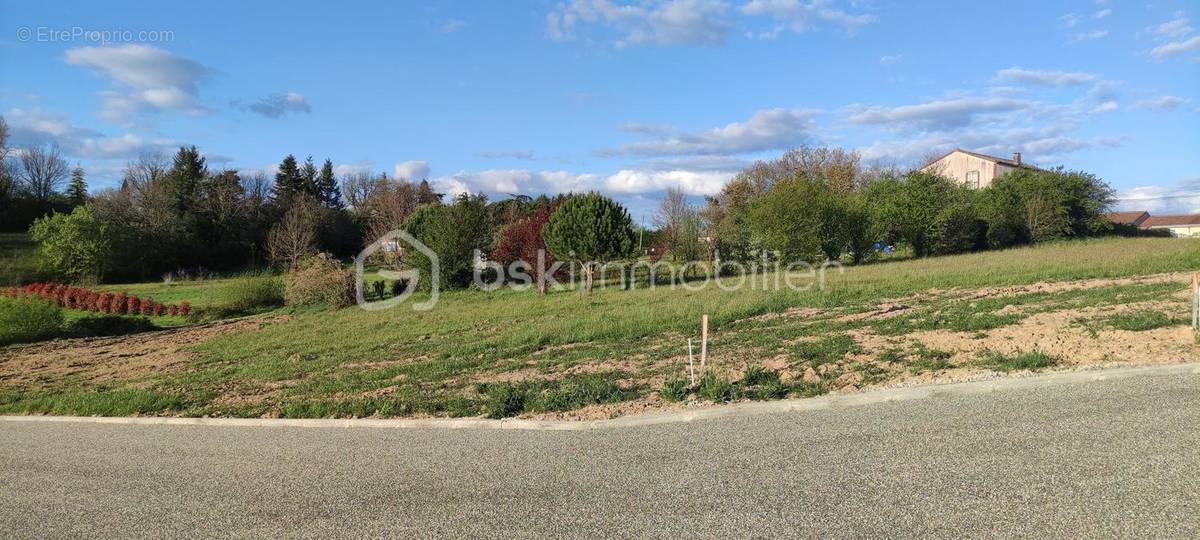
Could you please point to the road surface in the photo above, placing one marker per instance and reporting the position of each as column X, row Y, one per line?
column 1102, row 458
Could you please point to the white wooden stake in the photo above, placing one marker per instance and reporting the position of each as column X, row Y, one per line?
column 691, row 368
column 703, row 342
column 1195, row 301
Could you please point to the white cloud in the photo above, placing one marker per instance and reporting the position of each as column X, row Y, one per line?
column 1173, row 37
column 936, row 114
column 1070, row 20
column 799, row 16
column 37, row 126
column 1180, row 198
column 890, row 59
column 625, row 181
column 1105, row 107
column 506, row 154
column 412, row 170
column 691, row 22
column 277, row 105
column 674, row 22
column 1035, row 144
column 1175, row 48
column 345, row 169
column 1031, row 77
column 1089, row 36
column 767, row 129
column 453, row 25
column 1161, row 103
column 151, row 79
column 1102, row 13
column 1175, row 28
column 691, row 182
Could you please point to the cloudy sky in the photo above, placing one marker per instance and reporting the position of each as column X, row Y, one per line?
column 624, row 97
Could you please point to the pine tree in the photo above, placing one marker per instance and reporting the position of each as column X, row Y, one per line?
column 287, row 180
column 185, row 176
column 327, row 186
column 77, row 192
column 308, row 178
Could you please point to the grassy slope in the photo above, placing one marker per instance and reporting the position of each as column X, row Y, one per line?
column 321, row 364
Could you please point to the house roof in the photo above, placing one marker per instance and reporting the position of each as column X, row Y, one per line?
column 1135, row 217
column 1171, row 221
column 993, row 159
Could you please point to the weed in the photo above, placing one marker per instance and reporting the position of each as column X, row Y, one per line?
column 929, row 359
column 716, row 389
column 675, row 389
column 1032, row 361
column 825, row 350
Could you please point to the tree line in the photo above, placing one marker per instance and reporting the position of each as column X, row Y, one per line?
column 811, row 204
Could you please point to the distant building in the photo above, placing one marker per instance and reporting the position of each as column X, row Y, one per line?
column 1181, row 226
column 1132, row 219
column 974, row 169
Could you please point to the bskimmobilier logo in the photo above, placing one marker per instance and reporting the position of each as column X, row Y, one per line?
column 391, row 242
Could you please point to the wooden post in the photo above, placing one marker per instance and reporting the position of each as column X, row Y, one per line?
column 703, row 342
column 1195, row 301
column 691, row 369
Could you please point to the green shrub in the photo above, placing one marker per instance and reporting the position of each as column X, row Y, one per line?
column 716, row 389
column 758, row 375
column 1140, row 321
column 253, row 293
column 25, row 319
column 73, row 247
column 675, row 389
column 319, row 280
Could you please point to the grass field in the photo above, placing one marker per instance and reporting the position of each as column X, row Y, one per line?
column 17, row 261
column 509, row 352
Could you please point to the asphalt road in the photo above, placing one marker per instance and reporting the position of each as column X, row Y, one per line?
column 1096, row 459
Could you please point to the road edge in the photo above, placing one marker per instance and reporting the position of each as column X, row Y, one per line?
column 906, row 393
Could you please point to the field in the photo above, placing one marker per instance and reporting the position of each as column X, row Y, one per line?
column 17, row 263
column 570, row 355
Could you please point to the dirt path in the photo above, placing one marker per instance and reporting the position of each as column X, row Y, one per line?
column 124, row 358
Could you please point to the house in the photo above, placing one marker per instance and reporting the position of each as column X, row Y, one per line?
column 1181, row 226
column 974, row 169
column 1132, row 219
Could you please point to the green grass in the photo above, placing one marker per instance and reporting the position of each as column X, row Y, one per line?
column 18, row 260
column 1032, row 361
column 353, row 362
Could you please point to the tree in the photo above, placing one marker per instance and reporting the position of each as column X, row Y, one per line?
column 590, row 229
column 187, row 172
column 327, row 186
column 454, row 232
column 358, row 188
column 73, row 247
column 860, row 228
column 931, row 213
column 6, row 180
column 295, row 236
column 522, row 240
column 1035, row 206
column 288, row 181
column 673, row 210
column 788, row 218
column 77, row 192
column 42, row 172
column 308, row 178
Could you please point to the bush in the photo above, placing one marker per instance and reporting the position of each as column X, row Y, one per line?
column 789, row 219
column 74, row 247
column 674, row 389
column 453, row 232
column 26, row 318
column 1036, row 206
column 107, row 325
column 320, row 279
column 256, row 292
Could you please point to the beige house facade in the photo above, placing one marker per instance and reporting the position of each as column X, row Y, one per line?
column 974, row 169
column 1181, row 226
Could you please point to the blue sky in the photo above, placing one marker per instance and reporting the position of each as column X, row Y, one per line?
column 624, row 97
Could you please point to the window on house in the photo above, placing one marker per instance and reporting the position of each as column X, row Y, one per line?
column 973, row 179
